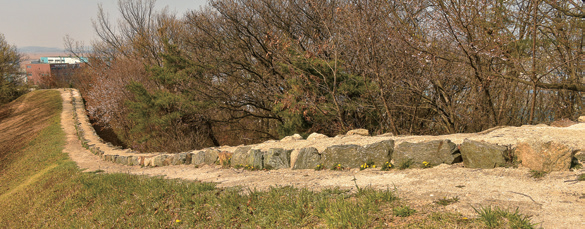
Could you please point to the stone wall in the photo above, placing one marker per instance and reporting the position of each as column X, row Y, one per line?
column 537, row 154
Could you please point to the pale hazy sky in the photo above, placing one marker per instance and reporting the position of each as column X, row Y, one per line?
column 46, row 22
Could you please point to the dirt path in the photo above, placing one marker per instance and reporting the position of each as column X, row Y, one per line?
column 553, row 201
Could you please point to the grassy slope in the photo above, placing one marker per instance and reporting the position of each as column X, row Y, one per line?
column 41, row 187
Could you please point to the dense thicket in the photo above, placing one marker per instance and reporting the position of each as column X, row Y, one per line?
column 11, row 84
column 243, row 71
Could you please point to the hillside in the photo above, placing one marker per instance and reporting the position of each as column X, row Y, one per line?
column 40, row 187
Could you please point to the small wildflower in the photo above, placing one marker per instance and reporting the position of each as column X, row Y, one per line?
column 178, row 221
column 374, row 166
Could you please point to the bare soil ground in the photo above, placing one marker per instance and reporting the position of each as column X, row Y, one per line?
column 555, row 201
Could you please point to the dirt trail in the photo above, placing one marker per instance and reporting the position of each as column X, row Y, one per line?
column 553, row 201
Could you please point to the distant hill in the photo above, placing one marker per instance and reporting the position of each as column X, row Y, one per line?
column 39, row 49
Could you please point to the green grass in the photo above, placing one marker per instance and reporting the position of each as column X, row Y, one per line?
column 498, row 218
column 403, row 211
column 42, row 188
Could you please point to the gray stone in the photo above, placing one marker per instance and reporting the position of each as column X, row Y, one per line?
column 123, row 160
column 277, row 158
column 434, row 152
column 483, row 155
column 180, row 159
column 240, row 156
column 198, row 157
column 158, row 161
column 211, row 156
column 542, row 155
column 379, row 153
column 110, row 158
column 256, row 158
column 346, row 155
column 133, row 160
column 308, row 158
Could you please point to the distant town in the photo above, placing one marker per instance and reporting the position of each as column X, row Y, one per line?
column 52, row 68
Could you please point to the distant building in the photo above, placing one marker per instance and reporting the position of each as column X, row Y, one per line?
column 48, row 71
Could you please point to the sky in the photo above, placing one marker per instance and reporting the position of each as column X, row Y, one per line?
column 46, row 22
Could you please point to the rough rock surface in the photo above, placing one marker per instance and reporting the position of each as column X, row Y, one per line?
column 346, row 155
column 581, row 119
column 277, row 158
column 308, row 158
column 483, row 155
column 542, row 155
column 256, row 158
column 197, row 157
column 240, row 156
column 211, row 156
column 362, row 132
column 434, row 152
column 378, row 153
column 294, row 137
column 316, row 136
column 181, row 159
column 563, row 123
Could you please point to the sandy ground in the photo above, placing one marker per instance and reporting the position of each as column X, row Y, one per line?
column 555, row 201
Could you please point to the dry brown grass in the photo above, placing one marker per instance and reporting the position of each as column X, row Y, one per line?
column 21, row 120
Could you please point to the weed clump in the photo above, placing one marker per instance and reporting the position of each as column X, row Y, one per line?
column 387, row 166
column 337, row 167
column 367, row 165
column 319, row 167
column 403, row 211
column 406, row 164
column 498, row 218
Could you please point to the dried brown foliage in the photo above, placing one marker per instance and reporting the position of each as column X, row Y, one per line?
column 257, row 70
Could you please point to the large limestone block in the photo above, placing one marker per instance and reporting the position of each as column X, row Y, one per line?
column 133, row 160
column 316, row 136
column 256, row 158
column 180, row 159
column 240, row 156
column 158, row 161
column 379, row 152
column 483, row 155
column 211, row 156
column 307, row 158
column 434, row 152
column 346, row 155
column 277, row 158
column 198, row 157
column 123, row 160
column 362, row 132
column 545, row 155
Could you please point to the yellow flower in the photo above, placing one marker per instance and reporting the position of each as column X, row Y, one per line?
column 178, row 221
column 374, row 166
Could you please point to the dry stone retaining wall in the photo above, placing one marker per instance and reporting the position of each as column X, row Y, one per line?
column 299, row 154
